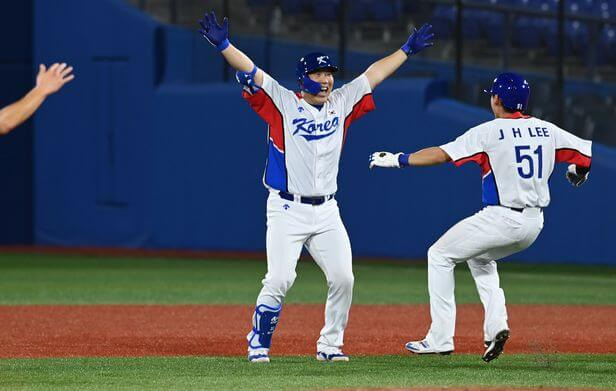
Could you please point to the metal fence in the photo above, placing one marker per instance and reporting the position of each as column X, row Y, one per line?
column 558, row 43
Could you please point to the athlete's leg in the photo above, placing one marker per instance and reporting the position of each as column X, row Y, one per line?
column 525, row 230
column 494, row 232
column 441, row 285
column 286, row 233
column 485, row 274
column 331, row 249
column 283, row 251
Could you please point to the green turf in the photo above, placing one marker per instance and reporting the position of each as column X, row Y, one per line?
column 54, row 279
column 47, row 279
column 290, row 373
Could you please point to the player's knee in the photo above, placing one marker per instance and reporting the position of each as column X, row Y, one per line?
column 436, row 257
column 342, row 281
column 280, row 283
column 432, row 253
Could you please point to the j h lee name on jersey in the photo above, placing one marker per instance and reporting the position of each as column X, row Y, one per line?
column 311, row 130
column 530, row 132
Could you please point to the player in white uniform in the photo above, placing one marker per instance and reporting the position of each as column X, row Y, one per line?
column 306, row 133
column 517, row 154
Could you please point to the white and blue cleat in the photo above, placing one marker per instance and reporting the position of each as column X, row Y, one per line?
column 423, row 347
column 258, row 355
column 336, row 355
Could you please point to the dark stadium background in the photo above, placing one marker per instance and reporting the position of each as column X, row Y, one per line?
column 152, row 146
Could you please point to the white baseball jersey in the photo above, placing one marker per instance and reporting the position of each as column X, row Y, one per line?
column 305, row 143
column 517, row 157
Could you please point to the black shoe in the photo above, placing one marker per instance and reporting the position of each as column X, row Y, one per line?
column 496, row 346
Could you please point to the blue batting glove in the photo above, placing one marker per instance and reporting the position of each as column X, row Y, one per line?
column 216, row 34
column 419, row 40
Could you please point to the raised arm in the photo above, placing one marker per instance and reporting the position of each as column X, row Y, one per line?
column 218, row 36
column 383, row 68
column 48, row 81
column 426, row 157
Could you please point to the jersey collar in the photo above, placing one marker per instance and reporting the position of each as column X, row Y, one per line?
column 313, row 109
column 516, row 115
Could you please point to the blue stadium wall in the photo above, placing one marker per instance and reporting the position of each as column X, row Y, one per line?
column 147, row 149
column 16, row 78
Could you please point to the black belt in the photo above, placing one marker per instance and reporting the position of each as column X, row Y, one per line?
column 306, row 200
column 520, row 210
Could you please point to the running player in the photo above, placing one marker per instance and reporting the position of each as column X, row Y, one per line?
column 516, row 154
column 306, row 133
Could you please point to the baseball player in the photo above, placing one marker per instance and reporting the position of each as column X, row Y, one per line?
column 516, row 154
column 48, row 81
column 306, row 132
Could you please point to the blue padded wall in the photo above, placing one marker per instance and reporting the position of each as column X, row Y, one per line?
column 93, row 141
column 146, row 149
column 16, row 148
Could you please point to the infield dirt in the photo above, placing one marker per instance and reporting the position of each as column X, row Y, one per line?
column 213, row 330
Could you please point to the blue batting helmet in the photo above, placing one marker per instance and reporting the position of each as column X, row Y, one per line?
column 313, row 62
column 512, row 89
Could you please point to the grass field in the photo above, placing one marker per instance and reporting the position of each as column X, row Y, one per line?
column 51, row 279
column 61, row 280
column 290, row 373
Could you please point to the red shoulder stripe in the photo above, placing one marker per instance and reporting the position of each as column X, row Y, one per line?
column 363, row 106
column 264, row 106
column 573, row 156
column 480, row 158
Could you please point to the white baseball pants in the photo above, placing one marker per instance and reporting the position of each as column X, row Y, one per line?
column 291, row 225
column 491, row 234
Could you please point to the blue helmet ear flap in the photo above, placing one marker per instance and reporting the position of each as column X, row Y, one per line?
column 309, row 85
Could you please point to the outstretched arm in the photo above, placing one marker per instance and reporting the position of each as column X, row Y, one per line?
column 383, row 68
column 426, row 157
column 218, row 36
column 48, row 81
